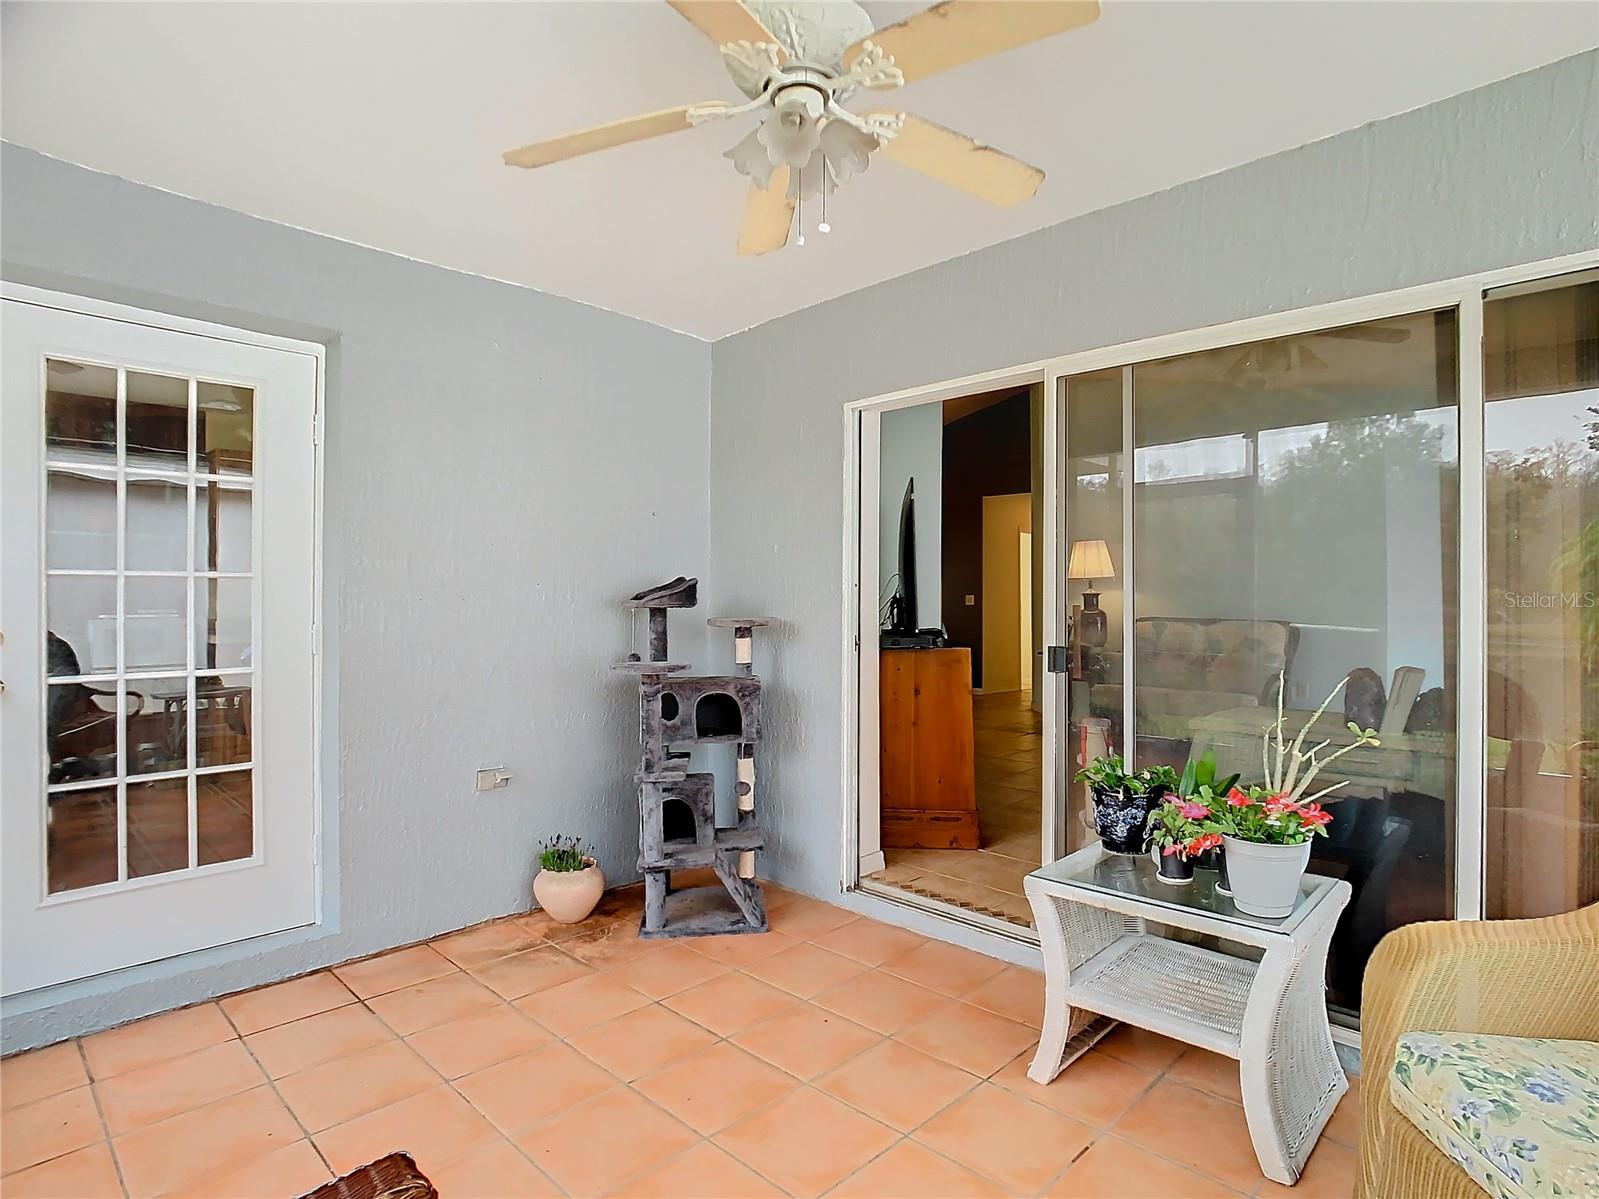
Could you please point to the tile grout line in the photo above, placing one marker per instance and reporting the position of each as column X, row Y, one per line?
column 273, row 1083
column 105, row 1125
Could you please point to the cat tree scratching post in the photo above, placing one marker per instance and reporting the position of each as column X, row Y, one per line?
column 677, row 809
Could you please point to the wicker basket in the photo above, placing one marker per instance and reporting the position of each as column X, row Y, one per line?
column 391, row 1177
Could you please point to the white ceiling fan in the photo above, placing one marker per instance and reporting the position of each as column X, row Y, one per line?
column 800, row 61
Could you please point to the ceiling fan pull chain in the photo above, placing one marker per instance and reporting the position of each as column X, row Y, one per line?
column 822, row 226
column 800, row 241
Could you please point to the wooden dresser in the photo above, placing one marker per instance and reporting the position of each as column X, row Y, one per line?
column 927, row 780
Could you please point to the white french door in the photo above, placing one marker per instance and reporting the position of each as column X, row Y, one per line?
column 157, row 588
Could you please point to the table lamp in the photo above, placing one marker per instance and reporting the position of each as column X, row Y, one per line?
column 1090, row 560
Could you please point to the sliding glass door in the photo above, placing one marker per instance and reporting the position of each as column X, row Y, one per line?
column 1541, row 442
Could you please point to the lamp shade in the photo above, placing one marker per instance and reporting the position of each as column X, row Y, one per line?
column 1089, row 560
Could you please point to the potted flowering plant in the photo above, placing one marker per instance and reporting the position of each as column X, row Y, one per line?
column 1266, row 831
column 1178, row 836
column 569, row 882
column 1123, row 800
column 1199, row 784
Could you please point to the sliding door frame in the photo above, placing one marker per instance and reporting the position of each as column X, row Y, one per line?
column 1464, row 294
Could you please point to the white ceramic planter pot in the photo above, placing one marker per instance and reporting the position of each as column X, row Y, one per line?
column 569, row 895
column 1265, row 878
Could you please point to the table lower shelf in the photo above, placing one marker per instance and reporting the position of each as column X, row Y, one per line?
column 1197, row 995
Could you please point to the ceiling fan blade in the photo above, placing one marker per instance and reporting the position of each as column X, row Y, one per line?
column 726, row 21
column 1382, row 333
column 768, row 213
column 962, row 31
column 600, row 137
column 957, row 160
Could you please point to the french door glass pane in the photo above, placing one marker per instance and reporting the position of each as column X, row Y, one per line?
column 1296, row 516
column 133, row 498
column 1541, row 439
column 1095, row 573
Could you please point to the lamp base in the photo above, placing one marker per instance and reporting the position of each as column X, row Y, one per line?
column 1094, row 626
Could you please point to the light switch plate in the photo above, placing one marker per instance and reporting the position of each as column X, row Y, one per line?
column 971, row 601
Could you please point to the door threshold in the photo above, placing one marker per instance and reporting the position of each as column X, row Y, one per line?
column 953, row 913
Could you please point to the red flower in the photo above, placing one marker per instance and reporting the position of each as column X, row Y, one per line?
column 1315, row 815
column 1280, row 803
column 1237, row 799
column 1202, row 843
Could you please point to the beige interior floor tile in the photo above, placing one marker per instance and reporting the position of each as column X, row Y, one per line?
column 414, row 1008
column 1329, row 1174
column 40, row 1073
column 881, row 1001
column 730, row 1003
column 209, row 1140
column 977, row 1041
column 602, row 1143
column 87, row 1173
column 807, row 1040
column 900, row 1086
column 641, row 1042
column 1208, row 1071
column 435, row 1127
column 740, row 949
column 155, row 1039
column 351, row 1086
column 1017, row 1144
column 267, row 1007
column 941, row 967
column 805, row 970
column 165, row 1089
column 391, row 971
column 293, row 1169
column 806, row 1142
column 1095, row 1089
column 712, row 1088
column 290, row 1048
column 869, row 942
column 700, row 1172
column 666, row 971
column 581, row 1003
column 912, row 1171
column 498, row 1170
column 36, row 1132
column 1016, row 993
column 497, row 939
column 1196, row 1129
column 526, row 973
column 1113, row 1167
column 473, row 1042
column 519, row 1093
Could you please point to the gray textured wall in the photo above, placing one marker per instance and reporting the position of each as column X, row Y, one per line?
column 501, row 467
column 1494, row 177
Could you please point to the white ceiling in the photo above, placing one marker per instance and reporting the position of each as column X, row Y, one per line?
column 383, row 123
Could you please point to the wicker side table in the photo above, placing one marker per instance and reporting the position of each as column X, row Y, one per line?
column 1117, row 943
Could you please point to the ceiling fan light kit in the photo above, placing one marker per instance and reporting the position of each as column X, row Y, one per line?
column 798, row 63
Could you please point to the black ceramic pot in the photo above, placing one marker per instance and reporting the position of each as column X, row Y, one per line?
column 1175, row 869
column 1120, row 819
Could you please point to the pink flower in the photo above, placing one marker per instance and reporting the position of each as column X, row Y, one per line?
column 1193, row 811
column 1315, row 815
column 1280, row 803
column 1169, row 850
column 1237, row 799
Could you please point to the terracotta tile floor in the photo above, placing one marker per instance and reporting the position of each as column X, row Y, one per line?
column 834, row 1056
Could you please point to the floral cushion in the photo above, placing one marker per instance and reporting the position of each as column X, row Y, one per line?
column 1519, row 1114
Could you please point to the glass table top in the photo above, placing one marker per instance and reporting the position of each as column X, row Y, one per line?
column 1136, row 878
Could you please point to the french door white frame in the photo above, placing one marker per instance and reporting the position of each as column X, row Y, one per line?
column 314, row 354
column 862, row 442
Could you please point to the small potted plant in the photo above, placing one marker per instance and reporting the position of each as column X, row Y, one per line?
column 1123, row 801
column 1199, row 784
column 569, row 882
column 1267, row 830
column 1177, row 838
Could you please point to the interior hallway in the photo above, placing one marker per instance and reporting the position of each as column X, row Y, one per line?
column 1009, row 744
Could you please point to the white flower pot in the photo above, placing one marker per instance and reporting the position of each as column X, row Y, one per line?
column 1265, row 878
column 569, row 895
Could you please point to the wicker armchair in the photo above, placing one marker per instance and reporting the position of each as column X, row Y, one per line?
column 1527, row 978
